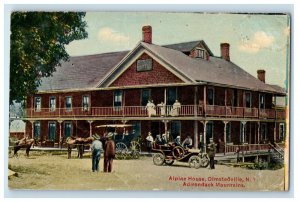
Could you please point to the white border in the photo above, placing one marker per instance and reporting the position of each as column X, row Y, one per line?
column 179, row 8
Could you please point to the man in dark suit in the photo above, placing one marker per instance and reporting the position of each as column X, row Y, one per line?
column 211, row 153
column 109, row 153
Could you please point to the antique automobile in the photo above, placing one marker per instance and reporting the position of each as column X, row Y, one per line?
column 127, row 144
column 169, row 153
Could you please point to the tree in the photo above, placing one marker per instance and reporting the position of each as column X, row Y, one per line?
column 37, row 47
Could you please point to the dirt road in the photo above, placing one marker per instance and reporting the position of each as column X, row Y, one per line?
column 56, row 172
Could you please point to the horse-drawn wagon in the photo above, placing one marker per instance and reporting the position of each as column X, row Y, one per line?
column 169, row 153
column 127, row 144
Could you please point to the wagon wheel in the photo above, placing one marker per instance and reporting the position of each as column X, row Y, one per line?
column 195, row 162
column 121, row 150
column 204, row 161
column 135, row 148
column 169, row 162
column 178, row 152
column 158, row 159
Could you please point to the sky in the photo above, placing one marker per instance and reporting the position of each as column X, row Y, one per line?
column 257, row 41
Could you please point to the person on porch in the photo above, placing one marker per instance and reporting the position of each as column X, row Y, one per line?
column 175, row 109
column 150, row 107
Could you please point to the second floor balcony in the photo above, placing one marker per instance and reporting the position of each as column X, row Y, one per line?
column 164, row 111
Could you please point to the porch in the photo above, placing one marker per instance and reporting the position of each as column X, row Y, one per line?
column 165, row 111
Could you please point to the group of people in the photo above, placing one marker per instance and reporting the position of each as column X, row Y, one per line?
column 174, row 111
column 109, row 152
column 165, row 139
column 187, row 144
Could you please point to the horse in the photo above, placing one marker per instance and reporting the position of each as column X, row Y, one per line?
column 79, row 143
column 24, row 143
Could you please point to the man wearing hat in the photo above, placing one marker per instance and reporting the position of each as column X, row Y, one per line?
column 109, row 152
column 211, row 153
column 96, row 152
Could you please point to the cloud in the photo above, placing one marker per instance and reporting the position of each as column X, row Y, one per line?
column 108, row 34
column 260, row 40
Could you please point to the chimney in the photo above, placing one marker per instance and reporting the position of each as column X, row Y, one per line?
column 225, row 51
column 261, row 75
column 147, row 34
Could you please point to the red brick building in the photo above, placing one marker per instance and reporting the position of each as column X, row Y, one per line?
column 217, row 98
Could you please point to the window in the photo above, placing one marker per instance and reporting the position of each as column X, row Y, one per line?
column 85, row 102
column 171, row 96
column 175, row 129
column 200, row 53
column 248, row 99
column 263, row 131
column 144, row 65
column 228, row 132
column 51, row 131
column 146, row 95
column 281, row 132
column 210, row 96
column 68, row 103
column 262, row 101
column 117, row 99
column 37, row 130
column 235, row 97
column 52, row 104
column 37, row 103
column 68, row 129
column 209, row 131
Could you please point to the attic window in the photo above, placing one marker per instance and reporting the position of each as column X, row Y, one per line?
column 144, row 65
column 200, row 53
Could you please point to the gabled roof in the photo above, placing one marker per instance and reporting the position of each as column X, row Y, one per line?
column 215, row 70
column 81, row 72
column 89, row 71
column 188, row 46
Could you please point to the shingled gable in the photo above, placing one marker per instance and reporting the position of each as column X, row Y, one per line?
column 131, row 57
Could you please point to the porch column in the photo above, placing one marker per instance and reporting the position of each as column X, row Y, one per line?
column 243, row 131
column 32, row 129
column 225, row 139
column 195, row 121
column 258, row 131
column 275, row 127
column 204, row 135
column 91, row 129
column 204, row 100
column 165, row 102
column 60, row 134
column 196, row 134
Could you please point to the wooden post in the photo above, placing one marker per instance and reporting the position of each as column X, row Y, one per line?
column 195, row 121
column 196, row 134
column 32, row 129
column 91, row 129
column 225, row 140
column 243, row 131
column 204, row 100
column 60, row 133
column 204, row 134
column 258, row 131
column 275, row 128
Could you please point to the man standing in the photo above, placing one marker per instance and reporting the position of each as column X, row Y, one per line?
column 211, row 153
column 96, row 153
column 109, row 153
column 149, row 139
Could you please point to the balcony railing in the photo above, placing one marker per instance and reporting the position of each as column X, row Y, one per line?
column 246, row 148
column 165, row 111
